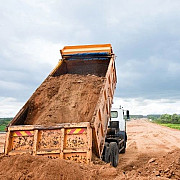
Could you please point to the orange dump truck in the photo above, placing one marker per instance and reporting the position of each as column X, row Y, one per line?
column 72, row 140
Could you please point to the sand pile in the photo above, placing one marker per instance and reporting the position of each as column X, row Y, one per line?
column 26, row 167
column 67, row 98
column 165, row 166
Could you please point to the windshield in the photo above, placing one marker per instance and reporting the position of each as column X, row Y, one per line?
column 114, row 114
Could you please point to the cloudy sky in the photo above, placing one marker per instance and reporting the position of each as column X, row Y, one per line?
column 145, row 35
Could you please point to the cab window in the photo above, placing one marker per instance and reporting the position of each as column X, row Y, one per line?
column 114, row 114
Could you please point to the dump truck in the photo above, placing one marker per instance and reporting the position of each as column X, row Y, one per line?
column 71, row 140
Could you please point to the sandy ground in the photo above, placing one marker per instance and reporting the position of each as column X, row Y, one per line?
column 147, row 137
column 148, row 141
column 2, row 141
column 153, row 152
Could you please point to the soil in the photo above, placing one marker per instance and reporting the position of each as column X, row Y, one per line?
column 153, row 152
column 26, row 167
column 68, row 98
column 2, row 141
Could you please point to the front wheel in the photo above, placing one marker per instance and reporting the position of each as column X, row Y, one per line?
column 124, row 148
column 114, row 154
column 106, row 153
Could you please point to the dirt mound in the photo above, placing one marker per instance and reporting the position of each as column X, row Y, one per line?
column 68, row 98
column 146, row 166
column 151, row 167
column 36, row 167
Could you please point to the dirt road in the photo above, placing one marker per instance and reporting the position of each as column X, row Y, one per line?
column 148, row 141
column 147, row 137
column 153, row 152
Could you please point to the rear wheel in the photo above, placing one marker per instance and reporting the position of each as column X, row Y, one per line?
column 114, row 154
column 107, row 155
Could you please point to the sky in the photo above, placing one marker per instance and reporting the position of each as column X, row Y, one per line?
column 145, row 36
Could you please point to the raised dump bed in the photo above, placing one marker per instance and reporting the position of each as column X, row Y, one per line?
column 67, row 116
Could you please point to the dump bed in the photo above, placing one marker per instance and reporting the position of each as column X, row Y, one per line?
column 69, row 125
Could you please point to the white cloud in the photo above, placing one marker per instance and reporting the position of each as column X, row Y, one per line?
column 9, row 106
column 14, row 86
column 144, row 34
column 39, row 51
column 147, row 106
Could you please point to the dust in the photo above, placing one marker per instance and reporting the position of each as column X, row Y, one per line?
column 68, row 98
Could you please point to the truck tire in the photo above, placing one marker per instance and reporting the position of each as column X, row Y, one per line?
column 124, row 149
column 107, row 155
column 114, row 154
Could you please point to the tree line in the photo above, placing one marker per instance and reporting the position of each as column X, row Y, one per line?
column 5, row 121
column 166, row 118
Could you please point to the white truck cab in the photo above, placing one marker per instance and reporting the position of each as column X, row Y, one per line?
column 115, row 141
column 117, row 114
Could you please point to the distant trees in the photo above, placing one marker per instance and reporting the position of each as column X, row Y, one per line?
column 153, row 116
column 167, row 118
column 175, row 119
column 5, row 121
column 136, row 116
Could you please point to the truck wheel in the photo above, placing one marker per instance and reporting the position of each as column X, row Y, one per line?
column 107, row 155
column 114, row 154
column 124, row 149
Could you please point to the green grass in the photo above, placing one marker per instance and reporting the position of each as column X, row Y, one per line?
column 3, row 123
column 174, row 126
column 2, row 128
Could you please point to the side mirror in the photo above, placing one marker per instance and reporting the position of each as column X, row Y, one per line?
column 127, row 113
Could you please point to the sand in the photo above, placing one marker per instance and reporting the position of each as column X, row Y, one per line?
column 153, row 152
column 68, row 98
column 26, row 167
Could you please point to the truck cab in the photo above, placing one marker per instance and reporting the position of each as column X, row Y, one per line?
column 118, row 115
column 116, row 136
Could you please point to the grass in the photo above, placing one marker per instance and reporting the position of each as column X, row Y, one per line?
column 174, row 126
column 2, row 128
column 3, row 123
